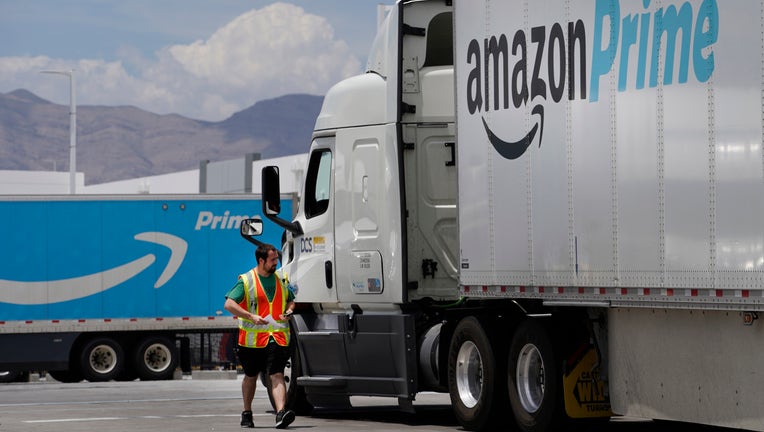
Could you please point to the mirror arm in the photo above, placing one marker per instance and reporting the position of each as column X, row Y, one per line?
column 251, row 239
column 293, row 227
column 256, row 242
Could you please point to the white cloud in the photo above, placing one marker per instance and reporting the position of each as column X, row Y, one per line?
column 263, row 53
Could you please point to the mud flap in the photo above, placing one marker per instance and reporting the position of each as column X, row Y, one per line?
column 586, row 393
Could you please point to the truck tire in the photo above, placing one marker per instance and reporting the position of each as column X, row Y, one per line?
column 156, row 358
column 296, row 400
column 128, row 373
column 102, row 359
column 66, row 376
column 474, row 381
column 534, row 381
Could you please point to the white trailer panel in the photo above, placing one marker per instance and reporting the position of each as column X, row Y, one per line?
column 616, row 168
column 659, row 378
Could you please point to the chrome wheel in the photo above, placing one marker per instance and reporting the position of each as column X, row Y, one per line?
column 530, row 378
column 469, row 374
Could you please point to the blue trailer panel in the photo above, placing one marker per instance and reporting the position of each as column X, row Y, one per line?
column 75, row 258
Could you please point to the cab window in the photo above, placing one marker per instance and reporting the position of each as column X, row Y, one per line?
column 318, row 183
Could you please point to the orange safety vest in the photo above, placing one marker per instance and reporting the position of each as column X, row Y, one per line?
column 252, row 335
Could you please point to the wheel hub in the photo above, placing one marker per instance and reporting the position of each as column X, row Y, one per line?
column 157, row 358
column 469, row 374
column 530, row 378
column 103, row 359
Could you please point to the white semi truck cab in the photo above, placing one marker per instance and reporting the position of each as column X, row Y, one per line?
column 373, row 248
column 525, row 204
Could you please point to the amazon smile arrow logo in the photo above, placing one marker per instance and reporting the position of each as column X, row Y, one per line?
column 46, row 292
column 513, row 150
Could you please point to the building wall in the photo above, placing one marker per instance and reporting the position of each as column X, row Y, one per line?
column 14, row 182
column 183, row 182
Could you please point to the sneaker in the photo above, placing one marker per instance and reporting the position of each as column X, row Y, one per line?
column 246, row 419
column 284, row 418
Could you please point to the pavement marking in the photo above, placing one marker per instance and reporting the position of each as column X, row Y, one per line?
column 93, row 419
column 75, row 420
column 121, row 401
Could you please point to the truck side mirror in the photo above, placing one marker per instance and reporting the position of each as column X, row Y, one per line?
column 252, row 227
column 271, row 190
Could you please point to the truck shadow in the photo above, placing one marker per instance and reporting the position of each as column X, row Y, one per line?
column 424, row 415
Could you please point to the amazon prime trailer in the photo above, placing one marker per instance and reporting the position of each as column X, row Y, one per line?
column 116, row 287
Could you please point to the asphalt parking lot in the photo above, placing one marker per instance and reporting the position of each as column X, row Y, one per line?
column 189, row 405
column 204, row 404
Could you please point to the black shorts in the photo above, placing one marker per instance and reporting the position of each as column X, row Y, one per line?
column 272, row 358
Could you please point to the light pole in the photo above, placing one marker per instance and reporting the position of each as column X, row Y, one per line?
column 72, row 127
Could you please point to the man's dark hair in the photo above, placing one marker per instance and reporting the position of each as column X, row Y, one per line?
column 262, row 251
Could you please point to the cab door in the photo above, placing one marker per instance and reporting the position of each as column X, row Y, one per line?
column 312, row 270
column 368, row 200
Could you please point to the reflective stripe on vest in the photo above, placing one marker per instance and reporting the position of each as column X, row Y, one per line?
column 256, row 301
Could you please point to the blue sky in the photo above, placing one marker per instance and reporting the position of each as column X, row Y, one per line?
column 204, row 59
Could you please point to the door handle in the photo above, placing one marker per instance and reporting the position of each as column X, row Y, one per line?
column 452, row 162
column 328, row 274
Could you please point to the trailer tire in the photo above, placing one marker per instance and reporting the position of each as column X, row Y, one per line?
column 156, row 358
column 474, row 381
column 66, row 376
column 128, row 374
column 534, row 382
column 102, row 359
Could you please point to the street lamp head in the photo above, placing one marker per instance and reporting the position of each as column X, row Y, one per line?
column 59, row 72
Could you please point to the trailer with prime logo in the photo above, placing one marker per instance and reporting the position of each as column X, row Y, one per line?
column 550, row 209
column 118, row 286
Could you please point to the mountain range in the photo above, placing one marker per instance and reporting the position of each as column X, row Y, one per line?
column 123, row 142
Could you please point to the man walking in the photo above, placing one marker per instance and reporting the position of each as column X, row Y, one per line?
column 263, row 305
